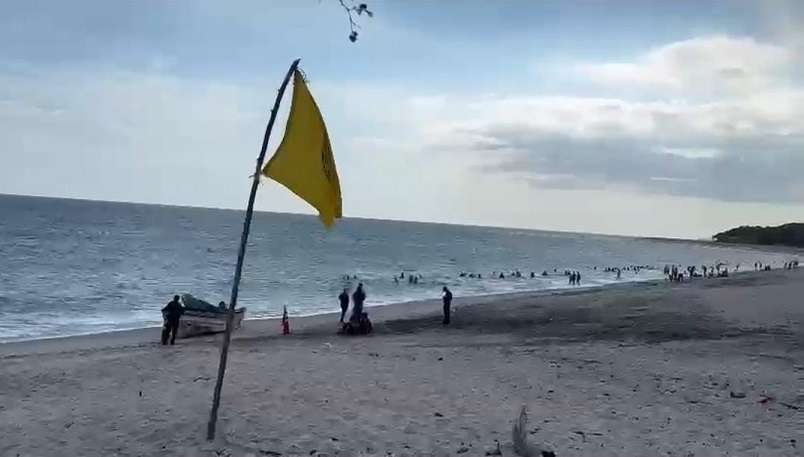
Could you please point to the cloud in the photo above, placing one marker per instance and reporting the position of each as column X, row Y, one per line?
column 742, row 142
column 133, row 136
column 706, row 131
column 136, row 132
column 152, row 137
column 744, row 174
column 700, row 66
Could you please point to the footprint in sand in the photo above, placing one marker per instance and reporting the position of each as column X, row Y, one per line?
column 412, row 428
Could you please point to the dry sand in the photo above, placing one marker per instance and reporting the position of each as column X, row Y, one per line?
column 710, row 368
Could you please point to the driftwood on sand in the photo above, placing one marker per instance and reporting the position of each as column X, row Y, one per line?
column 519, row 437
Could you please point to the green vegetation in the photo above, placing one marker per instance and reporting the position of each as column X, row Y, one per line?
column 787, row 234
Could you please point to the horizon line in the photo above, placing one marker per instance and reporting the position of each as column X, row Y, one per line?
column 365, row 218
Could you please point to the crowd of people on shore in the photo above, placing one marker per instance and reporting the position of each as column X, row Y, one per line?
column 676, row 273
column 360, row 324
column 758, row 266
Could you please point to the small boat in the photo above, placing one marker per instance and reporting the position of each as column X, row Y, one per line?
column 202, row 318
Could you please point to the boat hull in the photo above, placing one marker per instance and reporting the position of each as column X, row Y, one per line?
column 195, row 323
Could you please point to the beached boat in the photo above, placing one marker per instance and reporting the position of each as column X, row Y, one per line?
column 202, row 318
column 194, row 322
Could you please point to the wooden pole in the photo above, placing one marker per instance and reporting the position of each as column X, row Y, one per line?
column 227, row 335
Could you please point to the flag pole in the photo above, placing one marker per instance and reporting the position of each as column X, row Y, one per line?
column 227, row 335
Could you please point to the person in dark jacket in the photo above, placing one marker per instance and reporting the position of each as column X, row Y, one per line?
column 447, row 299
column 344, row 299
column 171, row 313
column 358, row 297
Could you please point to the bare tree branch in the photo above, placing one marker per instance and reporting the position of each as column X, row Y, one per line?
column 350, row 10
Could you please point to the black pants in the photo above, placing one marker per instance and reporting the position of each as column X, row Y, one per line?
column 343, row 312
column 170, row 327
column 446, row 314
column 357, row 313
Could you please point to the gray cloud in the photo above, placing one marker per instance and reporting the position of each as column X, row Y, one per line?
column 749, row 170
column 706, row 131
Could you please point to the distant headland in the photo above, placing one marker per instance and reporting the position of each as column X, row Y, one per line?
column 787, row 234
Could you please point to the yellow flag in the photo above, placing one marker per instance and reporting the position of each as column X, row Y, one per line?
column 303, row 162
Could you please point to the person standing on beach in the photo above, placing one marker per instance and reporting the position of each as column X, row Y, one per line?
column 171, row 313
column 285, row 321
column 447, row 299
column 344, row 299
column 357, row 299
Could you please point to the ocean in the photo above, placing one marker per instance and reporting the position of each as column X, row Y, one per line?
column 72, row 267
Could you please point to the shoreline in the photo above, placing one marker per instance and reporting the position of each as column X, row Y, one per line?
column 379, row 313
column 141, row 335
column 790, row 252
column 326, row 321
column 432, row 302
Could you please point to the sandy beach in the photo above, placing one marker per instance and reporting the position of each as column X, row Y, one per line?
column 708, row 368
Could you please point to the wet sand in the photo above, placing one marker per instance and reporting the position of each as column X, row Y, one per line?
column 713, row 367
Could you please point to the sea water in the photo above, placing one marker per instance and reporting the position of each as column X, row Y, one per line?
column 73, row 267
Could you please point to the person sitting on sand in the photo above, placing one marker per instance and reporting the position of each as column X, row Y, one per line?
column 344, row 300
column 222, row 306
column 171, row 314
column 447, row 299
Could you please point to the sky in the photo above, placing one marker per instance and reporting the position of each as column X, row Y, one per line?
column 650, row 118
